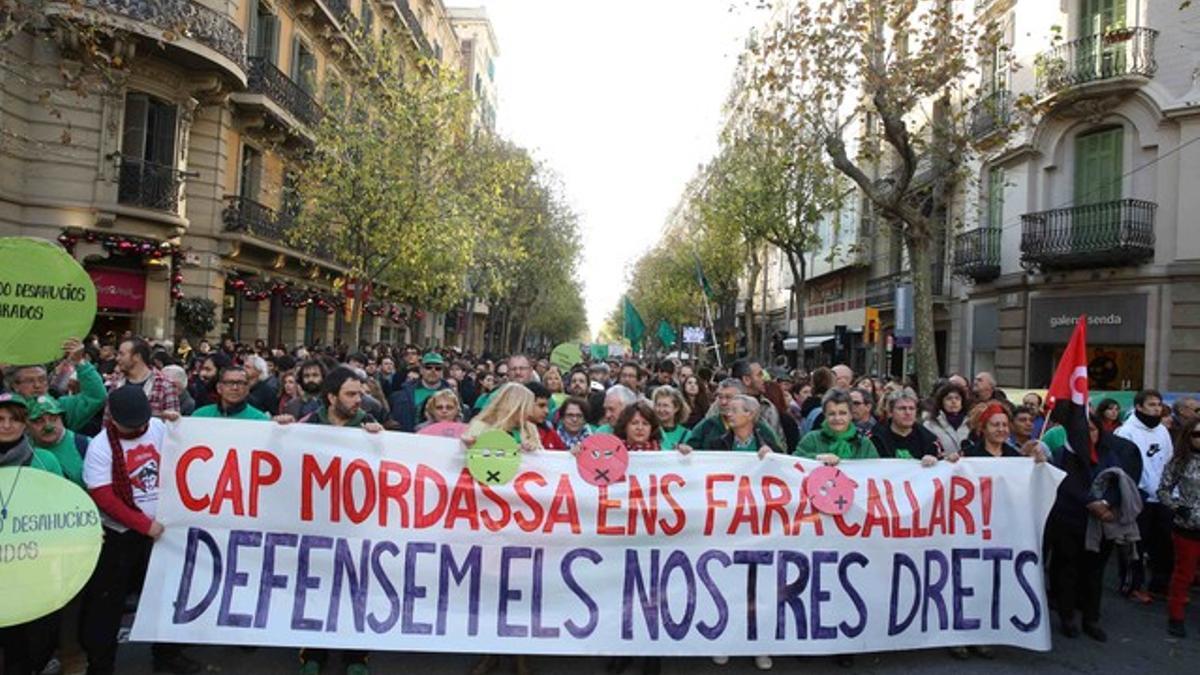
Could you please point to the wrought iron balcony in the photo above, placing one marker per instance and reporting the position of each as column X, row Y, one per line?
column 1117, row 53
column 266, row 79
column 977, row 254
column 992, row 113
column 185, row 18
column 414, row 26
column 1095, row 235
column 246, row 216
column 149, row 185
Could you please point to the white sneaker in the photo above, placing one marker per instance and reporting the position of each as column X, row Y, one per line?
column 720, row 660
column 763, row 662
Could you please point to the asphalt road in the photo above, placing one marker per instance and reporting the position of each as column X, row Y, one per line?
column 1137, row 644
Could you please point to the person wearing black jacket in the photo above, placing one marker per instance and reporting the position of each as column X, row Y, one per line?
column 1076, row 574
column 900, row 436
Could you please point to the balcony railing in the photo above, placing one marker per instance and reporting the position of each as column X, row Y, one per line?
column 266, row 79
column 1094, row 235
column 992, row 113
column 414, row 26
column 338, row 9
column 149, row 185
column 185, row 18
column 1116, row 53
column 246, row 216
column 977, row 254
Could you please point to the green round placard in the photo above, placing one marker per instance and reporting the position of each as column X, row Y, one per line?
column 46, row 298
column 49, row 543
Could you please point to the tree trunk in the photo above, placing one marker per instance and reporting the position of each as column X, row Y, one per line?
column 507, row 334
column 799, row 281
column 764, row 335
column 921, row 261
column 748, row 314
column 356, row 317
column 469, row 333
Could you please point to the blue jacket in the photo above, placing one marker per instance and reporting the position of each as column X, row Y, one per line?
column 403, row 403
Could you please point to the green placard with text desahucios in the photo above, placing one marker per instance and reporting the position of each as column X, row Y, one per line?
column 46, row 298
column 50, row 540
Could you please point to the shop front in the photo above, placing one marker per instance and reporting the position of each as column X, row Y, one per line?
column 1116, row 338
column 120, row 300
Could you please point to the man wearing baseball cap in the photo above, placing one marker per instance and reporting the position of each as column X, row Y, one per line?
column 48, row 432
column 411, row 397
column 121, row 473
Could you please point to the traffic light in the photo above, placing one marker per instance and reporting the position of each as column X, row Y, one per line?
column 871, row 326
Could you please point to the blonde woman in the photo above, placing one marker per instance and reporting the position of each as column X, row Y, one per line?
column 672, row 411
column 507, row 411
column 441, row 406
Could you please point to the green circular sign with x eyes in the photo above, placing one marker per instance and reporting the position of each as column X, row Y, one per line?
column 46, row 298
column 50, row 540
column 494, row 459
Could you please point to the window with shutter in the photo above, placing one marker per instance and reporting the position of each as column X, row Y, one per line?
column 251, row 180
column 133, row 136
column 1098, row 167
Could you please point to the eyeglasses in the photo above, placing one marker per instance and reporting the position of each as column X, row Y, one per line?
column 858, row 402
column 573, row 416
column 1196, row 434
column 432, row 367
column 234, row 383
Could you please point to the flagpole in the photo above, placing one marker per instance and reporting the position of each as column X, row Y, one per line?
column 712, row 327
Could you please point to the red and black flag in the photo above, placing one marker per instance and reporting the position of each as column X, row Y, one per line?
column 1067, row 399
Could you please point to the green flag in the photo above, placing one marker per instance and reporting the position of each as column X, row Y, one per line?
column 666, row 334
column 702, row 280
column 599, row 352
column 634, row 329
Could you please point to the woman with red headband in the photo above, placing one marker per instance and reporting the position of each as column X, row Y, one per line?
column 994, row 429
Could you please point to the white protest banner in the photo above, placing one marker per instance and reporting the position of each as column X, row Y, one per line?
column 315, row 536
column 693, row 335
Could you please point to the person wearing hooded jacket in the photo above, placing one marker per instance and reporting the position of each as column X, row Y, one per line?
column 1144, row 428
column 949, row 424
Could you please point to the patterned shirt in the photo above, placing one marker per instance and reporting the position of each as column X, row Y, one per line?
column 160, row 391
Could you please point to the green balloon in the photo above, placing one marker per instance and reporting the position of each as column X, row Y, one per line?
column 494, row 459
column 49, row 543
column 46, row 298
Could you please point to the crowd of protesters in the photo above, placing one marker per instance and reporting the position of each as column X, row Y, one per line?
column 97, row 418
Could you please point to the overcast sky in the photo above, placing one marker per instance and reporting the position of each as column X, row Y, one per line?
column 622, row 98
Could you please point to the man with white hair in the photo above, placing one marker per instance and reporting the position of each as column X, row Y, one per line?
column 178, row 376
column 708, row 434
column 616, row 400
column 263, row 394
column 843, row 376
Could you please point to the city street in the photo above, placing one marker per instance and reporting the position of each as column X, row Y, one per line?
column 1137, row 643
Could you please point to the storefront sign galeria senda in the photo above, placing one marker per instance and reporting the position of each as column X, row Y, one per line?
column 46, row 298
column 1112, row 319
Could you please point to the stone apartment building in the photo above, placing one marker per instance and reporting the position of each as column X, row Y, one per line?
column 173, row 183
column 1091, row 205
column 1086, row 206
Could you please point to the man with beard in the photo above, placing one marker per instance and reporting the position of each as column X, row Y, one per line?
column 47, row 431
column 340, row 403
column 312, row 374
column 203, row 387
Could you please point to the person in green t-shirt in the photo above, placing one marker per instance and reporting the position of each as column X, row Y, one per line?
column 671, row 409
column 48, row 433
column 233, row 388
column 15, row 448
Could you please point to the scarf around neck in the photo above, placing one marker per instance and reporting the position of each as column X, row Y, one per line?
column 19, row 453
column 839, row 443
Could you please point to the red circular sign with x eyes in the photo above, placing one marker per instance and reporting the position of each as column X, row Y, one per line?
column 830, row 490
column 602, row 459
